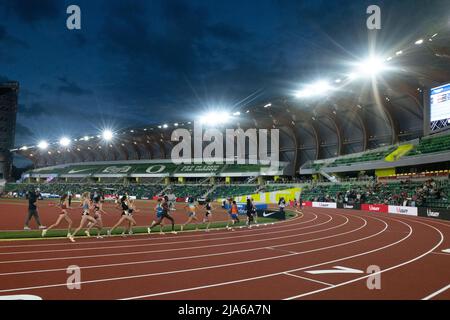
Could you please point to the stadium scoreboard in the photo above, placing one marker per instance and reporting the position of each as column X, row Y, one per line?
column 439, row 108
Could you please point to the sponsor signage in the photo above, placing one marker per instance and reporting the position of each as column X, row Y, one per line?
column 306, row 203
column 279, row 215
column 375, row 208
column 328, row 205
column 355, row 206
column 409, row 211
column 435, row 213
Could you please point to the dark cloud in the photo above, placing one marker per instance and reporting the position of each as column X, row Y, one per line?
column 32, row 11
column 228, row 33
column 71, row 88
column 23, row 132
column 35, row 110
column 4, row 79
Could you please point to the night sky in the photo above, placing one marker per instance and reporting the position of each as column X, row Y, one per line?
column 149, row 62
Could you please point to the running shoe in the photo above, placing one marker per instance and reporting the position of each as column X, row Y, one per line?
column 149, row 230
column 42, row 227
column 44, row 232
column 87, row 233
column 71, row 239
column 26, row 228
column 108, row 233
column 174, row 232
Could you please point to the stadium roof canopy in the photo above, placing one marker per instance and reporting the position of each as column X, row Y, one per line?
column 353, row 114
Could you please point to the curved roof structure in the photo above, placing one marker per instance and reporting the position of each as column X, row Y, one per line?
column 355, row 116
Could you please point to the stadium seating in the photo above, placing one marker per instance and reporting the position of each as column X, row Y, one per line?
column 432, row 145
column 189, row 190
column 368, row 156
column 232, row 191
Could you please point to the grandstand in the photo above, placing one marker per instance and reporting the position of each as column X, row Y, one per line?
column 353, row 141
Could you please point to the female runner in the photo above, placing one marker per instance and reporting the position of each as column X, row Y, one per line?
column 85, row 217
column 192, row 214
column 64, row 204
column 126, row 216
column 208, row 214
column 162, row 211
column 233, row 216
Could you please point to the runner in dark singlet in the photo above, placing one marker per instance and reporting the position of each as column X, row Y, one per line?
column 162, row 212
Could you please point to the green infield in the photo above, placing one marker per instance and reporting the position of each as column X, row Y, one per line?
column 62, row 233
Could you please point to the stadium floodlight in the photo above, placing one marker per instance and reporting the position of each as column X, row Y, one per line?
column 352, row 76
column 371, row 66
column 418, row 42
column 215, row 118
column 316, row 89
column 175, row 124
column 165, row 126
column 86, row 138
column 24, row 148
column 237, row 113
column 64, row 141
column 43, row 145
column 399, row 52
column 268, row 105
column 107, row 135
column 338, row 80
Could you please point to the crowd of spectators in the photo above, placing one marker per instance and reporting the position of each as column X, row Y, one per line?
column 404, row 193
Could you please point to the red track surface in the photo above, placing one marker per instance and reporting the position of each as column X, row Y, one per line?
column 268, row 262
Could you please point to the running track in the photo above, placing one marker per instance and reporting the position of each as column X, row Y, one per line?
column 268, row 262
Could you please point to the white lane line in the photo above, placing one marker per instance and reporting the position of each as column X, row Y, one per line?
column 434, row 294
column 309, row 279
column 188, row 257
column 379, row 272
column 183, row 236
column 207, row 267
column 21, row 297
column 336, row 269
column 278, row 273
column 204, row 239
column 175, row 249
column 441, row 253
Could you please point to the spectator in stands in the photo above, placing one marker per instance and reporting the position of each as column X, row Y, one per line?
column 33, row 196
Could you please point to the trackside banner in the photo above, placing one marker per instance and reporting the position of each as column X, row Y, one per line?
column 409, row 211
column 436, row 213
column 355, row 206
column 382, row 208
column 328, row 205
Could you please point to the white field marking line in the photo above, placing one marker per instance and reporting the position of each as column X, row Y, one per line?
column 177, row 249
column 441, row 253
column 382, row 271
column 434, row 294
column 304, row 278
column 202, row 268
column 166, row 243
column 282, row 272
column 278, row 224
column 204, row 237
column 190, row 257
